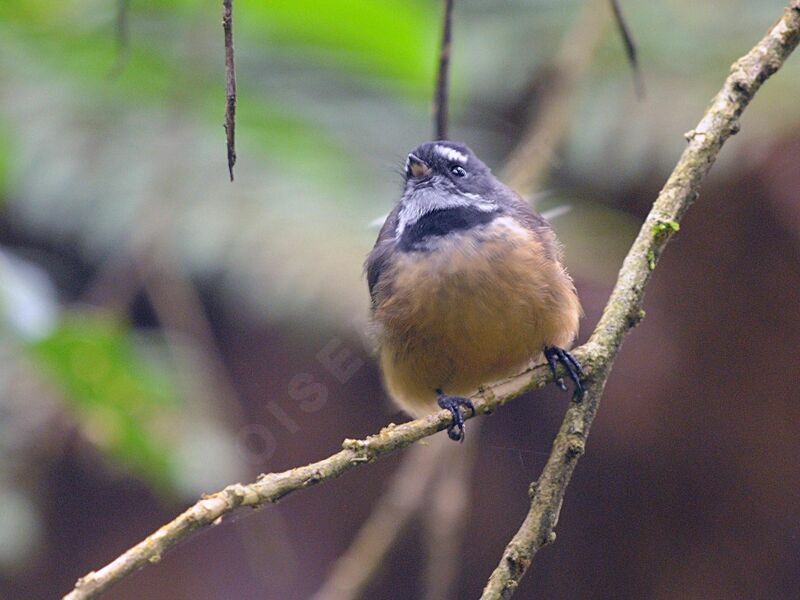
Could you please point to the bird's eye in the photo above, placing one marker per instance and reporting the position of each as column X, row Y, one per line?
column 458, row 170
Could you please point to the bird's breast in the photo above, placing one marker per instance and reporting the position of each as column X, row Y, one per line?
column 472, row 306
column 467, row 280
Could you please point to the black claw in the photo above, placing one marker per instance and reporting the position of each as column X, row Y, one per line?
column 454, row 403
column 576, row 365
column 555, row 355
column 552, row 357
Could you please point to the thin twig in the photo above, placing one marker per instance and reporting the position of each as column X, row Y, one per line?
column 630, row 48
column 446, row 512
column 123, row 38
column 440, row 98
column 230, row 84
column 533, row 156
column 623, row 310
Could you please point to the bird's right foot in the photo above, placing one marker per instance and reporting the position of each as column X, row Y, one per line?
column 555, row 355
column 454, row 403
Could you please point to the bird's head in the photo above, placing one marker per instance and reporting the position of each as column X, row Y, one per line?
column 441, row 175
column 449, row 166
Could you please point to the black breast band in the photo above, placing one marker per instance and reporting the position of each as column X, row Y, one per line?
column 443, row 222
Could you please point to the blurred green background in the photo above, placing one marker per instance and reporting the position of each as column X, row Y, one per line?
column 153, row 316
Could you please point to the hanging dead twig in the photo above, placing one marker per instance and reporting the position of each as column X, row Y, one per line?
column 630, row 48
column 441, row 94
column 230, row 84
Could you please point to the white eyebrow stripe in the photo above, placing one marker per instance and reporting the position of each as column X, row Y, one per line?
column 451, row 153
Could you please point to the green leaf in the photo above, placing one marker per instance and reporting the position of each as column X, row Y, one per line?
column 118, row 397
column 663, row 227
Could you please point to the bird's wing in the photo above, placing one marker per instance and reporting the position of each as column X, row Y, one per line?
column 382, row 253
column 532, row 220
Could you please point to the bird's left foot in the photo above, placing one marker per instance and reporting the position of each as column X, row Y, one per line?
column 555, row 355
column 454, row 403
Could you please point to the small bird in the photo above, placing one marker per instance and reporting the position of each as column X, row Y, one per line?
column 467, row 286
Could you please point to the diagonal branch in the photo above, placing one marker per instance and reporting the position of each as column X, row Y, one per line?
column 442, row 79
column 622, row 312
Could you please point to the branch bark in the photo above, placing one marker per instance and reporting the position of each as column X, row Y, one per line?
column 622, row 312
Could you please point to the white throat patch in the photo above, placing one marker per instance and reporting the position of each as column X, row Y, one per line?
column 427, row 200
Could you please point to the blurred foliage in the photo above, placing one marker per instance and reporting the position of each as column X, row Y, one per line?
column 121, row 401
column 167, row 61
column 390, row 38
column 6, row 150
column 114, row 392
column 122, row 386
column 119, row 396
column 332, row 94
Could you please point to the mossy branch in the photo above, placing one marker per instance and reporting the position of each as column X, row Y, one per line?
column 622, row 312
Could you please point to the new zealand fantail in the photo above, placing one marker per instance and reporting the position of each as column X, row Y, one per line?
column 467, row 286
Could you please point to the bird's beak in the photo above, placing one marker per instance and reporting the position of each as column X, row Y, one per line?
column 416, row 167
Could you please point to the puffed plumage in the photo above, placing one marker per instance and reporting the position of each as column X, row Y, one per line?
column 466, row 282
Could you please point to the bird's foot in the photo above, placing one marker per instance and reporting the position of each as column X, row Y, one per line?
column 555, row 355
column 454, row 403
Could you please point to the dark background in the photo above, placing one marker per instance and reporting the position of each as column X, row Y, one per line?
column 153, row 316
